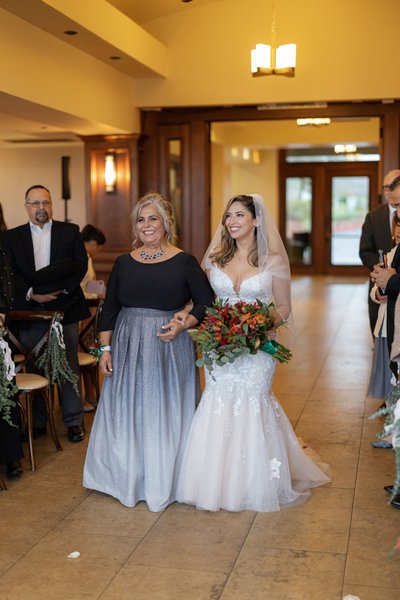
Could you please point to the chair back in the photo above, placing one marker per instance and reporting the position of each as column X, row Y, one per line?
column 91, row 325
column 29, row 356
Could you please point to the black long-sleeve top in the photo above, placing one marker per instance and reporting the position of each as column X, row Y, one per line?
column 6, row 279
column 167, row 285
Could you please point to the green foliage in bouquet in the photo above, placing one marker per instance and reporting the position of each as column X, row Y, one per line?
column 229, row 331
column 8, row 389
column 53, row 352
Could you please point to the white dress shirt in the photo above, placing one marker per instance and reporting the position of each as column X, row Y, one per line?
column 41, row 238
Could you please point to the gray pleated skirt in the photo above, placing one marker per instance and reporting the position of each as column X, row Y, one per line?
column 379, row 383
column 144, row 413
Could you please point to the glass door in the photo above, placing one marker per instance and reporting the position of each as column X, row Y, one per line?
column 349, row 205
column 322, row 211
column 298, row 226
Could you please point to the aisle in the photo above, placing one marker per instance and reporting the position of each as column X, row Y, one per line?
column 335, row 544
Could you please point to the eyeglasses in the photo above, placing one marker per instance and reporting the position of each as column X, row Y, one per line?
column 38, row 203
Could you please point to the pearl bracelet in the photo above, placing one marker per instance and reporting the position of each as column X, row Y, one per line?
column 106, row 348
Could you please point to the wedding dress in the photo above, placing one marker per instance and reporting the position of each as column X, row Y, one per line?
column 242, row 452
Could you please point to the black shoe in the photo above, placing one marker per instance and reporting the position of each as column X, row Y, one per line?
column 37, row 432
column 75, row 433
column 14, row 469
column 388, row 489
column 395, row 502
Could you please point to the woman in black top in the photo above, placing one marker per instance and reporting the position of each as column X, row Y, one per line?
column 10, row 444
column 151, row 385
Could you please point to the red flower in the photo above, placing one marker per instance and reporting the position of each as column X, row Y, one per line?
column 231, row 330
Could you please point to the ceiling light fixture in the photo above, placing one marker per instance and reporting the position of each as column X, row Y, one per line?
column 315, row 122
column 345, row 148
column 272, row 59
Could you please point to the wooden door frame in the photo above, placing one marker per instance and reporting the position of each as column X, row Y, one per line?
column 321, row 174
column 354, row 169
column 199, row 119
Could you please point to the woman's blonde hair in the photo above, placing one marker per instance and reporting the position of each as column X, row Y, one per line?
column 227, row 247
column 164, row 209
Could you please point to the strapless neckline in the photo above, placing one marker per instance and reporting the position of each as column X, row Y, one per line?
column 237, row 292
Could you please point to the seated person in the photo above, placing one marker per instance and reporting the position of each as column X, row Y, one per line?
column 93, row 239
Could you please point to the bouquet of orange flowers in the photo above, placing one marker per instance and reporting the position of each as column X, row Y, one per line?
column 242, row 328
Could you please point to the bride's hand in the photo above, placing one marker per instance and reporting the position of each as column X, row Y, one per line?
column 271, row 334
column 172, row 329
column 181, row 316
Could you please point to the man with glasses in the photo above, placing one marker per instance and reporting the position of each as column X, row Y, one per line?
column 46, row 244
column 378, row 234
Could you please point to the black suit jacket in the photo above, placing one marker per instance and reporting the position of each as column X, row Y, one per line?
column 376, row 235
column 66, row 243
column 392, row 291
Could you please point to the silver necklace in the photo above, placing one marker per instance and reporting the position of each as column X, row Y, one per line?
column 144, row 256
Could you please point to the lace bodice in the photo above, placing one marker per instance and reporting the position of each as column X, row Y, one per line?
column 258, row 286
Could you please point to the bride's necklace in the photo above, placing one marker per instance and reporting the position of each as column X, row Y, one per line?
column 144, row 256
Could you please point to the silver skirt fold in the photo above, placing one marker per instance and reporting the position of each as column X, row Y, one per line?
column 380, row 380
column 144, row 413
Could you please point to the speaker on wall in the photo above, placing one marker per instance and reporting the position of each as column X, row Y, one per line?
column 65, row 183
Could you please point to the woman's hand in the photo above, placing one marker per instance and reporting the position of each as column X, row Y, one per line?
column 380, row 275
column 172, row 329
column 380, row 297
column 105, row 363
column 271, row 334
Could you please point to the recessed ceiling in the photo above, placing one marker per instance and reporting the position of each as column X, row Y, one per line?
column 142, row 11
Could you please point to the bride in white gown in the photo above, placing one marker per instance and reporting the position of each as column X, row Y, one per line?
column 242, row 452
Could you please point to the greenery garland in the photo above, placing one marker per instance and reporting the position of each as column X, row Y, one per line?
column 8, row 389
column 52, row 352
column 392, row 426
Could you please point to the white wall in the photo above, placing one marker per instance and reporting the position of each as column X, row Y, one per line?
column 230, row 178
column 32, row 164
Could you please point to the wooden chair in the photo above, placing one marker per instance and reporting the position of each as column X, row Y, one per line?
column 87, row 360
column 30, row 383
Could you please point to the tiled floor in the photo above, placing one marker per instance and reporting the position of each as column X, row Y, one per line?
column 335, row 544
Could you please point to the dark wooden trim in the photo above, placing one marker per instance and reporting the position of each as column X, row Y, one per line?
column 288, row 111
column 390, row 126
column 148, row 154
column 199, row 120
column 200, row 188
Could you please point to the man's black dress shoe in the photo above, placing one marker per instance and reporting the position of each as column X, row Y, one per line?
column 37, row 432
column 14, row 469
column 395, row 502
column 388, row 489
column 75, row 433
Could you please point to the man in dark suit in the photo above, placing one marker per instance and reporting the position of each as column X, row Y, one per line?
column 388, row 279
column 377, row 234
column 42, row 243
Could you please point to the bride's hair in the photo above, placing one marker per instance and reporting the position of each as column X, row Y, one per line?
column 227, row 247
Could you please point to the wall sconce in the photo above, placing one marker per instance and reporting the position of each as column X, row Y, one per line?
column 272, row 59
column 110, row 173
